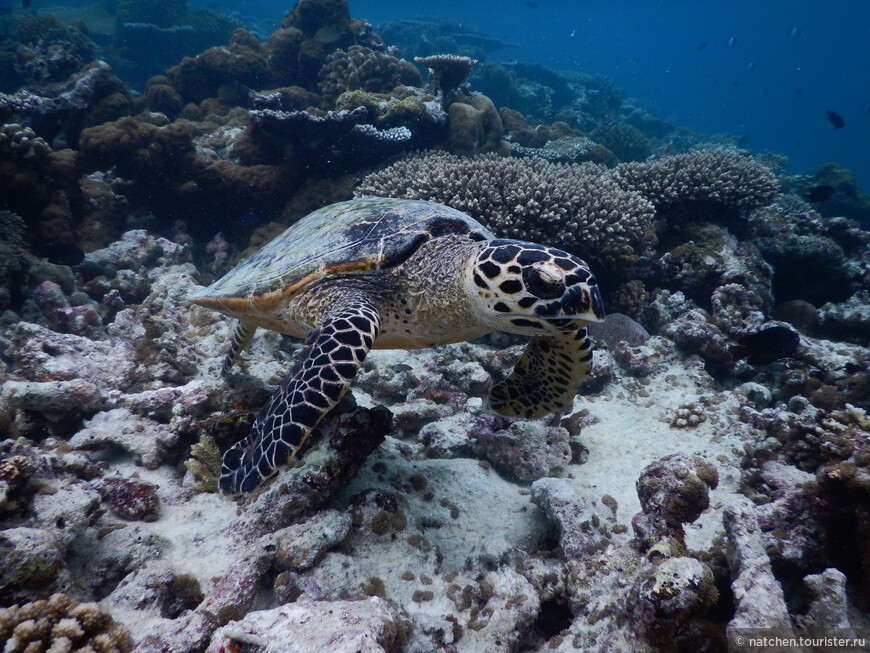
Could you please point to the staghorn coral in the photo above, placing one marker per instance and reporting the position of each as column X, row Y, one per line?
column 715, row 176
column 61, row 624
column 580, row 208
column 361, row 68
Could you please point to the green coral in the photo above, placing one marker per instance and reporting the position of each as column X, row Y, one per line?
column 388, row 111
column 205, row 464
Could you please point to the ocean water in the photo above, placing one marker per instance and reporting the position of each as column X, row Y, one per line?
column 789, row 61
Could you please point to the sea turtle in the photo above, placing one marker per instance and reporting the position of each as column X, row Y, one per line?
column 397, row 273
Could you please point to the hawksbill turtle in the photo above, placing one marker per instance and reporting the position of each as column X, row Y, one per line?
column 397, row 273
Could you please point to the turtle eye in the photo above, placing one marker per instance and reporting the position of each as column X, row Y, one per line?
column 541, row 283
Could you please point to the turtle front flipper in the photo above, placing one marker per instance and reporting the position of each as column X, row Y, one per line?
column 546, row 377
column 334, row 351
column 242, row 336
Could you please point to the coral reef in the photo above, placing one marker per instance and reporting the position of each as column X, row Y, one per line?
column 61, row 624
column 711, row 475
column 708, row 177
column 364, row 69
column 580, row 208
column 448, row 73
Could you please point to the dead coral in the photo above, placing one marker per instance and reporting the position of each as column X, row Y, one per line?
column 689, row 415
column 673, row 491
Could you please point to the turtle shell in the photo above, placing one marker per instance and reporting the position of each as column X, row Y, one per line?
column 354, row 237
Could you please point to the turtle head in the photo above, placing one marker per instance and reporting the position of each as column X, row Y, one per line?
column 532, row 289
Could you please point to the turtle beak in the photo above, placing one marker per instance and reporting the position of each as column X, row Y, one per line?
column 582, row 301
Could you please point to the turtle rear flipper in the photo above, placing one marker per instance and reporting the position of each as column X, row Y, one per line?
column 242, row 336
column 324, row 371
column 546, row 377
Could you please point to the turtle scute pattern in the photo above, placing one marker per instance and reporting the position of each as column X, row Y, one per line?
column 546, row 377
column 317, row 382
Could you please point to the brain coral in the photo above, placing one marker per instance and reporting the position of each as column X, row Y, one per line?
column 580, row 208
column 713, row 176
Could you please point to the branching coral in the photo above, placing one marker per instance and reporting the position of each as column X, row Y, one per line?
column 625, row 141
column 707, row 176
column 61, row 624
column 580, row 208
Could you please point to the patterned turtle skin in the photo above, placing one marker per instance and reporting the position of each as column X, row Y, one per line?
column 381, row 273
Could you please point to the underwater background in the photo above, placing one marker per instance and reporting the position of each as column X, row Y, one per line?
column 766, row 71
column 711, row 479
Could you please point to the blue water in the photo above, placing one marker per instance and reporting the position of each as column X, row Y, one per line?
column 650, row 49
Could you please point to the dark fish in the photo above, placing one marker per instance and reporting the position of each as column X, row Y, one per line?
column 60, row 253
column 798, row 92
column 328, row 34
column 821, row 193
column 767, row 345
column 701, row 46
column 795, row 33
column 532, row 5
column 865, row 108
column 25, row 4
column 836, row 119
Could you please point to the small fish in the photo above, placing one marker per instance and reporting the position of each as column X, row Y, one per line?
column 732, row 42
column 532, row 5
column 701, row 46
column 836, row 119
column 25, row 4
column 328, row 34
column 60, row 253
column 750, row 66
column 767, row 345
column 795, row 33
column 865, row 108
column 798, row 92
column 820, row 193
